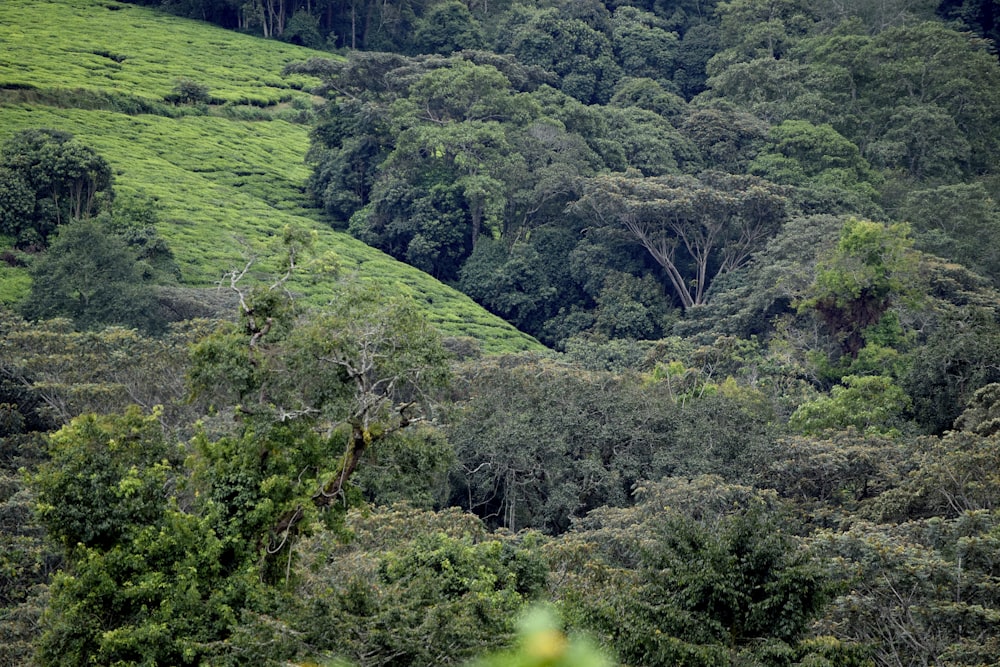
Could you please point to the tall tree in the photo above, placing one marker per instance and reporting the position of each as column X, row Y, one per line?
column 714, row 222
column 872, row 266
column 447, row 27
column 337, row 382
column 698, row 573
column 581, row 55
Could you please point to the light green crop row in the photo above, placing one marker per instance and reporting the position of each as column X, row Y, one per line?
column 107, row 45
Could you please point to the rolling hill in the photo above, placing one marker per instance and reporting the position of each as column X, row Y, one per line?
column 222, row 172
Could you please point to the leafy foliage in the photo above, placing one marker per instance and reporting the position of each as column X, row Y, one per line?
column 103, row 495
column 697, row 573
column 93, row 278
column 104, row 475
column 870, row 403
column 714, row 222
column 342, row 380
column 770, row 436
column 48, row 179
column 870, row 267
column 415, row 586
column 918, row 590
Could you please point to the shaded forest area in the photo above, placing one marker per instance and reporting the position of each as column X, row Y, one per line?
column 760, row 240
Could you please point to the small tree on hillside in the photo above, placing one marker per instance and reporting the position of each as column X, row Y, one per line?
column 48, row 178
column 92, row 277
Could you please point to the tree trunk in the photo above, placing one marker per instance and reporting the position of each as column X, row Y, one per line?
column 326, row 495
column 476, row 212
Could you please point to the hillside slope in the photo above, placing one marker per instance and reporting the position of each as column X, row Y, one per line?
column 221, row 172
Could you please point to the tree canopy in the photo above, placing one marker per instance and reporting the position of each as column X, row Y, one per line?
column 48, row 179
column 756, row 240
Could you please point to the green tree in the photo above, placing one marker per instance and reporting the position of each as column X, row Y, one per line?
column 27, row 557
column 713, row 222
column 303, row 29
column 727, row 138
column 447, row 180
column 510, row 282
column 144, row 581
column 952, row 474
column 698, row 573
column 871, row 267
column 17, row 203
column 978, row 15
column 448, row 27
column 349, row 143
column 158, row 597
column 757, row 300
column 539, row 444
column 105, row 475
column 631, row 307
column 555, row 156
column 133, row 219
column 188, row 91
column 817, row 159
column 955, row 222
column 474, row 154
column 932, row 92
column 916, row 592
column 582, row 56
column 642, row 45
column 879, row 16
column 756, row 28
column 649, row 142
column 771, row 89
column 92, row 277
column 64, row 178
column 873, row 404
column 313, row 392
column 697, row 46
column 414, row 587
column 839, row 471
column 648, row 94
column 960, row 356
column 462, row 91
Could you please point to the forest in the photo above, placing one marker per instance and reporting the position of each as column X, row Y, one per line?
column 517, row 333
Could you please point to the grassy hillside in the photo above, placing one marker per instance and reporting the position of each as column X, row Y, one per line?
column 101, row 70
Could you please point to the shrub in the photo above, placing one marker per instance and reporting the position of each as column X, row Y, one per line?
column 188, row 91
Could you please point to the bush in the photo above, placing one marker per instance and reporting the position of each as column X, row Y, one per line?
column 188, row 91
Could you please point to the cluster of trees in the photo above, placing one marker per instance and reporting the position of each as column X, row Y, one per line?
column 328, row 483
column 47, row 179
column 760, row 239
column 246, row 526
column 440, row 26
column 595, row 168
column 580, row 172
column 92, row 259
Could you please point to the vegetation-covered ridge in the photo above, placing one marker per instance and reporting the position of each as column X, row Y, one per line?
column 222, row 170
column 760, row 238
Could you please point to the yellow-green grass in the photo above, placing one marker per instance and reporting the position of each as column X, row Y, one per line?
column 107, row 45
column 216, row 180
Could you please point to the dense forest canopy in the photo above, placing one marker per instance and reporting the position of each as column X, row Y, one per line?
column 759, row 241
